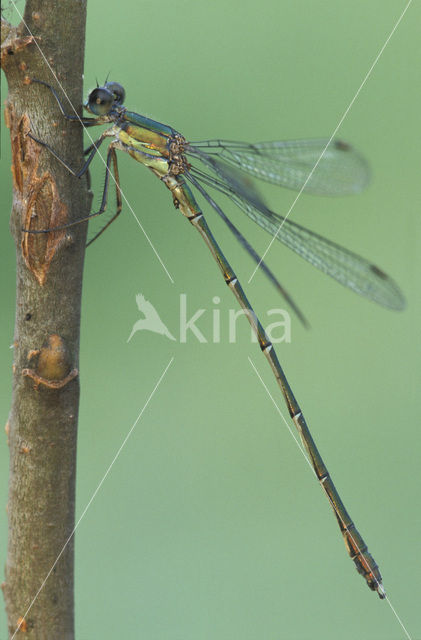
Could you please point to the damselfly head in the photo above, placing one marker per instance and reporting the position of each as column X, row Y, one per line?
column 118, row 91
column 102, row 100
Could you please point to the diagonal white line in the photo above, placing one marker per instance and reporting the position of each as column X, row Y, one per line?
column 92, row 140
column 331, row 138
column 96, row 491
column 300, row 446
column 297, row 442
column 398, row 618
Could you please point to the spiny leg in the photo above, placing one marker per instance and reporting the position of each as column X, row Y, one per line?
column 86, row 122
column 354, row 542
column 92, row 150
column 111, row 156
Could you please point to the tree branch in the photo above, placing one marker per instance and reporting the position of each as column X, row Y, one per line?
column 43, row 417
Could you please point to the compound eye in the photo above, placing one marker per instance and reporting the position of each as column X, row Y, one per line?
column 100, row 101
column 118, row 91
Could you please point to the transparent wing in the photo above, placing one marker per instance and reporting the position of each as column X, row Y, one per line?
column 194, row 179
column 232, row 180
column 340, row 170
column 351, row 270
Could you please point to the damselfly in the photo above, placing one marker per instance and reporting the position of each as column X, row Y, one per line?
column 340, row 170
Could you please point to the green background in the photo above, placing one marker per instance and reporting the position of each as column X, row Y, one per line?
column 210, row 524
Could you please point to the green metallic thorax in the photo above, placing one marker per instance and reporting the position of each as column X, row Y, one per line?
column 147, row 123
column 151, row 134
column 148, row 148
column 151, row 143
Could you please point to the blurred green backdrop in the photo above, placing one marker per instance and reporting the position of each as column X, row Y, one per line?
column 209, row 524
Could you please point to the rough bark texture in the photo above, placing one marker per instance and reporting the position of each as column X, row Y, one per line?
column 42, row 425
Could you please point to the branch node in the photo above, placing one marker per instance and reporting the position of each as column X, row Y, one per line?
column 52, row 368
column 51, row 384
column 13, row 44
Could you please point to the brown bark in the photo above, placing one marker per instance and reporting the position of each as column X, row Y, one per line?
column 43, row 417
